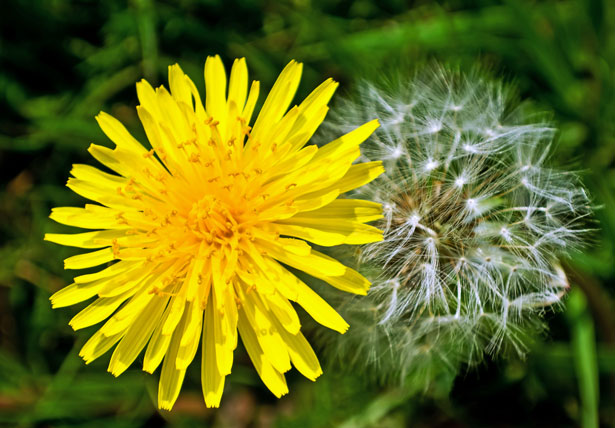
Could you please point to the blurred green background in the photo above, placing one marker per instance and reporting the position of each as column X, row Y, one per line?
column 62, row 61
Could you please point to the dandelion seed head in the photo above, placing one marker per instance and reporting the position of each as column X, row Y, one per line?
column 480, row 220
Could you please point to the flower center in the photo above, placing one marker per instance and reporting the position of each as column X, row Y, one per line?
column 214, row 221
column 427, row 227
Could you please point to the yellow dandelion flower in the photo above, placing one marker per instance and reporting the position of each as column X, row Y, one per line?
column 196, row 234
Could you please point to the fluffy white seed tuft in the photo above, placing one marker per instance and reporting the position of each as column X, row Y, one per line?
column 474, row 222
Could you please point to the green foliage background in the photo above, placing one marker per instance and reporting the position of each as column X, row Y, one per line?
column 62, row 61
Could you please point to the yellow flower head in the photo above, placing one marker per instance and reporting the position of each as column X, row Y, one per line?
column 197, row 232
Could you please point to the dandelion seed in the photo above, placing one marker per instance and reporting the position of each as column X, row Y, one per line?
column 199, row 230
column 397, row 152
column 434, row 126
column 430, row 165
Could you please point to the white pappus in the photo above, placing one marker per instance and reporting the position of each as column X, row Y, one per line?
column 475, row 223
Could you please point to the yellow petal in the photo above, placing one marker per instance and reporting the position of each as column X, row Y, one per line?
column 230, row 316
column 180, row 130
column 312, row 112
column 315, row 262
column 294, row 162
column 137, row 335
column 117, row 133
column 215, row 88
column 134, row 279
column 175, row 312
column 147, row 98
column 350, row 209
column 238, row 83
column 273, row 379
column 198, row 273
column 351, row 281
column 80, row 291
column 115, row 269
column 278, row 100
column 295, row 246
column 318, row 98
column 157, row 346
column 87, row 260
column 131, row 165
column 106, row 196
column 294, row 289
column 97, row 345
column 246, row 114
column 355, row 176
column 74, row 293
column 156, row 136
column 302, row 355
column 313, row 201
column 97, row 311
column 124, row 317
column 322, row 175
column 212, row 381
column 269, row 339
column 358, row 175
column 91, row 217
column 329, row 232
column 91, row 174
column 171, row 378
column 98, row 239
column 304, row 128
column 179, row 85
column 199, row 110
column 190, row 337
column 284, row 313
column 347, row 142
column 223, row 337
